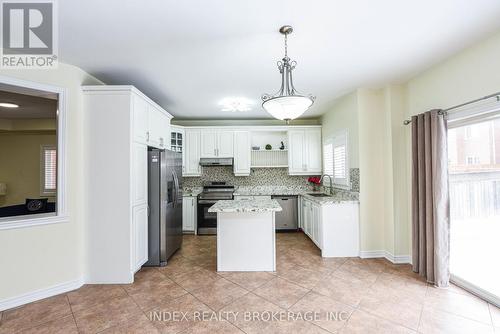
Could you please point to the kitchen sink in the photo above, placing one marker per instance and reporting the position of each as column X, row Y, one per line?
column 318, row 195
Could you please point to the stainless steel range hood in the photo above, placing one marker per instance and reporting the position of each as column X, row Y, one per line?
column 216, row 161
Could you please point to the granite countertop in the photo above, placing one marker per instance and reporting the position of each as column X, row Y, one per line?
column 260, row 205
column 269, row 190
column 339, row 197
column 194, row 191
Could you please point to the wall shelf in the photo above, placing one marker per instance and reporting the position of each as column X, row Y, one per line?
column 269, row 158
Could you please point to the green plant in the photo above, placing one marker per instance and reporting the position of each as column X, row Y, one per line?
column 269, row 147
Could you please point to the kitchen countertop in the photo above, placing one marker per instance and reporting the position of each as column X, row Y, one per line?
column 339, row 197
column 191, row 192
column 259, row 205
column 269, row 190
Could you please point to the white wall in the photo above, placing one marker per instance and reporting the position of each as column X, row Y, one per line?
column 35, row 258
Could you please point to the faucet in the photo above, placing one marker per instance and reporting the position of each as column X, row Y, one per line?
column 331, row 185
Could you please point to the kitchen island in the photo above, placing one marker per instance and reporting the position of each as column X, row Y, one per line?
column 246, row 234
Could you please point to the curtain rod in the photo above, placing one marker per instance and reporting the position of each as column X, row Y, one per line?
column 445, row 111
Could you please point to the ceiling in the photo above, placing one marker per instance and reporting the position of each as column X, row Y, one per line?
column 30, row 106
column 189, row 55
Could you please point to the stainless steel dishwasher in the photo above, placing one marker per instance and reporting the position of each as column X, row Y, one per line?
column 286, row 219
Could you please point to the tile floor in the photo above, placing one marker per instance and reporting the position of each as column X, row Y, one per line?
column 348, row 295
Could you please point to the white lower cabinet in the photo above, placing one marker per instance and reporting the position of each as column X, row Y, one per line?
column 189, row 208
column 139, row 236
column 333, row 227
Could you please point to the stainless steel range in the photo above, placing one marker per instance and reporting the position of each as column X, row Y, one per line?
column 212, row 192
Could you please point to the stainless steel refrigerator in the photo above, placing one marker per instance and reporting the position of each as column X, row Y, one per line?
column 165, row 205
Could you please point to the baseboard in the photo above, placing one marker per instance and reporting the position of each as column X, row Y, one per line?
column 33, row 296
column 396, row 259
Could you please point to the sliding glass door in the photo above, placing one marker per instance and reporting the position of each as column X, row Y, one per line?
column 474, row 180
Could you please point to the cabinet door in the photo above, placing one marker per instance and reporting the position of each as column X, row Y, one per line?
column 241, row 153
column 188, row 213
column 192, row 147
column 208, row 143
column 139, row 174
column 308, row 218
column 164, row 130
column 225, row 144
column 296, row 164
column 140, row 236
column 154, row 126
column 315, row 223
column 140, row 119
column 313, row 151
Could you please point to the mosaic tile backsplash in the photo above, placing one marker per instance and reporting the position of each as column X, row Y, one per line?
column 260, row 177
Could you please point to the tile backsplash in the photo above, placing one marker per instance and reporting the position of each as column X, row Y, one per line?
column 257, row 177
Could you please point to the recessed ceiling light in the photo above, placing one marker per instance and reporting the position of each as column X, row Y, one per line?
column 236, row 104
column 8, row 105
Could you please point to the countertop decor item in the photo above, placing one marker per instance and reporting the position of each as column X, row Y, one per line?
column 282, row 147
column 269, row 147
column 255, row 148
column 287, row 103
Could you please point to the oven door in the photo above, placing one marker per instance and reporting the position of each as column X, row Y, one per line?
column 207, row 221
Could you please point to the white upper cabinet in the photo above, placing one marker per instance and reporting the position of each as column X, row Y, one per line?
column 208, row 143
column 242, row 151
column 225, row 144
column 304, row 152
column 159, row 128
column 217, row 143
column 192, row 145
column 140, row 119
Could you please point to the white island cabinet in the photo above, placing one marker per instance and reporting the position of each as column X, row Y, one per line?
column 246, row 235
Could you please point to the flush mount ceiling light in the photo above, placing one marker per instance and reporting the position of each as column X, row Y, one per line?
column 8, row 105
column 287, row 103
column 236, row 104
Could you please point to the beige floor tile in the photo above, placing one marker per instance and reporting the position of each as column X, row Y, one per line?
column 323, row 311
column 33, row 314
column 196, row 279
column 358, row 270
column 348, row 292
column 361, row 322
column 301, row 276
column 177, row 315
column 393, row 305
column 211, row 327
column 107, row 314
column 437, row 321
column 249, row 280
column 463, row 305
column 281, row 292
column 139, row 324
column 64, row 325
column 93, row 294
column 219, row 293
column 495, row 315
column 178, row 267
column 157, row 293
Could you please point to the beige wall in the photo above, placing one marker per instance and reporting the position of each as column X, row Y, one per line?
column 44, row 256
column 20, row 165
column 344, row 115
column 384, row 142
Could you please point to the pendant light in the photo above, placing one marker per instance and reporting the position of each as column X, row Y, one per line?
column 287, row 103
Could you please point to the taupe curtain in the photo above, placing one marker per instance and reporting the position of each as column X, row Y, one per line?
column 430, row 199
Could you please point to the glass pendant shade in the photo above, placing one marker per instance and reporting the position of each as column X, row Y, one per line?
column 287, row 107
column 287, row 103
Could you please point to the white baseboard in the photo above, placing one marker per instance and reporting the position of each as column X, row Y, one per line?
column 33, row 296
column 396, row 259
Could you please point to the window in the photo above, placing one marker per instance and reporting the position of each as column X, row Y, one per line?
column 335, row 159
column 48, row 170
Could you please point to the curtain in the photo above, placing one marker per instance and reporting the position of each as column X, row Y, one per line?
column 430, row 199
